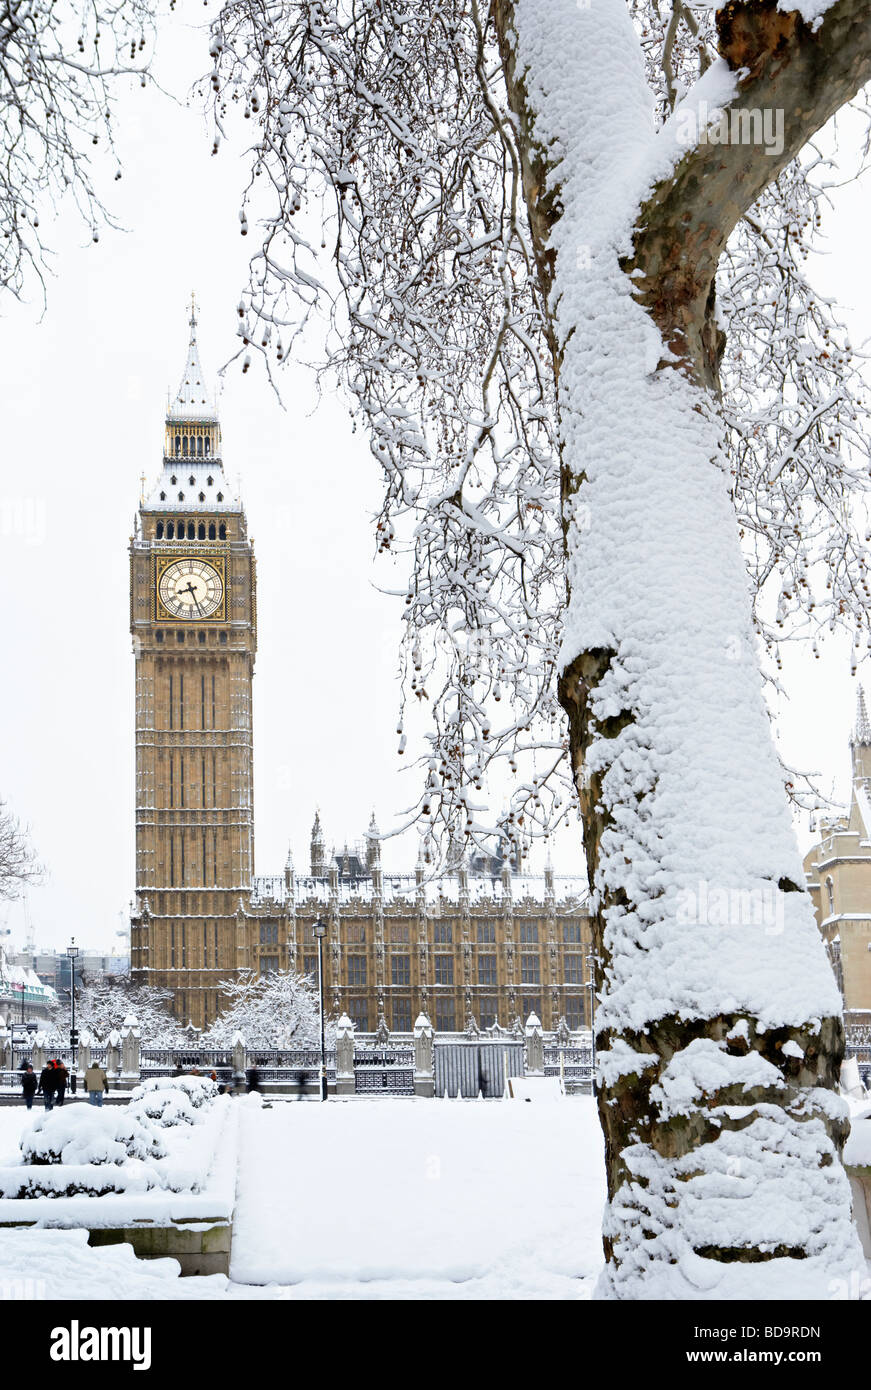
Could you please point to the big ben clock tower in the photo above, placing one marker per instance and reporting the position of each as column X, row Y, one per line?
column 193, row 620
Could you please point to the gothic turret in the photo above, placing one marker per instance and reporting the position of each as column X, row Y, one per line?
column 318, row 849
column 860, row 741
column 373, row 845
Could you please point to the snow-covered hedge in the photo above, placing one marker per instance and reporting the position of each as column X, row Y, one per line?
column 199, row 1090
column 166, row 1108
column 83, row 1134
column 154, row 1142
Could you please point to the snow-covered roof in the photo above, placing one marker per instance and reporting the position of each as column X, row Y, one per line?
column 402, row 888
column 192, row 485
column 192, row 400
column 19, row 977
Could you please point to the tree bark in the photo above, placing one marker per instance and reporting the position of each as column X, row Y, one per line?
column 679, row 236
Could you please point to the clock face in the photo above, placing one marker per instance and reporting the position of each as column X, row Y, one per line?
column 191, row 588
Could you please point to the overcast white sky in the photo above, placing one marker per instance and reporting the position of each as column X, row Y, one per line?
column 83, row 400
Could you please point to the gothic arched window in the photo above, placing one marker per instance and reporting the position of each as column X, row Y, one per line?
column 160, row 530
column 191, row 532
column 222, row 532
column 830, row 889
column 177, row 445
column 211, row 530
column 201, row 531
column 208, row 447
column 200, row 445
column 170, row 531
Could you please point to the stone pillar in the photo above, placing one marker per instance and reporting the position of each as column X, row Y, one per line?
column 5, row 1048
column 240, row 1057
column 424, row 1076
column 534, row 1046
column 130, row 1051
column 38, row 1055
column 83, row 1057
column 345, row 1085
column 113, row 1054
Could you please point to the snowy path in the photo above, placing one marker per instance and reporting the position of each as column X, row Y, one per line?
column 420, row 1199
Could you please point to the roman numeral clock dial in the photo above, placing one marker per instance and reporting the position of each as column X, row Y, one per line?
column 191, row 588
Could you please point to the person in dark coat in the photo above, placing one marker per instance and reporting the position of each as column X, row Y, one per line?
column 28, row 1085
column 60, row 1080
column 253, row 1079
column 47, row 1083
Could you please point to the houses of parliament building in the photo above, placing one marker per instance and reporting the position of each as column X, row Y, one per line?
column 486, row 943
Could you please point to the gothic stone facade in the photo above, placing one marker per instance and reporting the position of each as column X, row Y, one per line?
column 454, row 948
column 495, row 947
column 838, row 876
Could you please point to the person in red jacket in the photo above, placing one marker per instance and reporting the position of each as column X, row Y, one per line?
column 61, row 1077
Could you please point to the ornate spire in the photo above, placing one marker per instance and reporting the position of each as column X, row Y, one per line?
column 318, row 849
column 192, row 400
column 373, row 845
column 863, row 725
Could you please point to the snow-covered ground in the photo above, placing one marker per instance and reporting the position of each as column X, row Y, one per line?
column 421, row 1199
column 377, row 1200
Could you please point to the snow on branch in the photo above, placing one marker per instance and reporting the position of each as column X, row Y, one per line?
column 59, row 67
column 387, row 191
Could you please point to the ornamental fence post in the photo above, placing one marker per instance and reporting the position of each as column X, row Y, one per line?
column 345, row 1082
column 240, row 1057
column 534, row 1046
column 424, row 1076
column 130, row 1047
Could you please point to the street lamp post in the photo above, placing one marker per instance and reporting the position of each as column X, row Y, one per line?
column 72, row 954
column 320, row 931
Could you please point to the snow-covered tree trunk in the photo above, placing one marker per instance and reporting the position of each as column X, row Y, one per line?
column 719, row 1021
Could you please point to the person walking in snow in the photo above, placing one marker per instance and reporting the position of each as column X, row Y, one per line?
column 60, row 1080
column 96, row 1082
column 253, row 1079
column 28, row 1085
column 47, row 1082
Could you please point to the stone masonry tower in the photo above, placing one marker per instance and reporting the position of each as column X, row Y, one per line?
column 193, row 620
